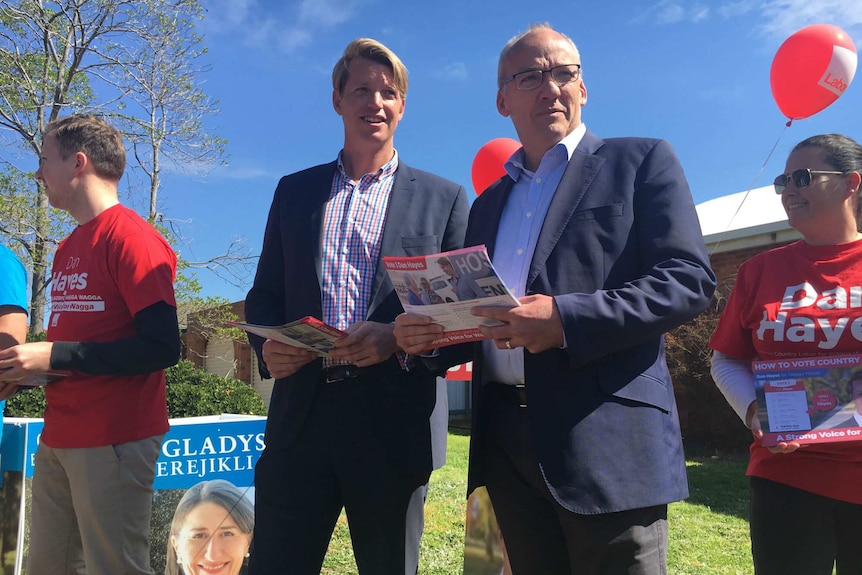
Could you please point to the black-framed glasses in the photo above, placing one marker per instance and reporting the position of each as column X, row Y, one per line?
column 801, row 178
column 532, row 79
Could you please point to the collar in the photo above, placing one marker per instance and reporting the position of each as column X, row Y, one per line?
column 388, row 169
column 514, row 166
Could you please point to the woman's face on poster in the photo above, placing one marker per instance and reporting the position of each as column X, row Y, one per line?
column 210, row 542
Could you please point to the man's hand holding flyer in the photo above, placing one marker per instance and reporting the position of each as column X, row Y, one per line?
column 307, row 333
column 446, row 286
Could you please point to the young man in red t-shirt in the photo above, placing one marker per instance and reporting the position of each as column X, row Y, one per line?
column 114, row 327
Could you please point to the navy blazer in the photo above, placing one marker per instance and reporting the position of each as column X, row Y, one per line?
column 427, row 214
column 622, row 253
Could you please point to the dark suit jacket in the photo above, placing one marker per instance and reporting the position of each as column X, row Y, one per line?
column 851, row 422
column 426, row 215
column 622, row 252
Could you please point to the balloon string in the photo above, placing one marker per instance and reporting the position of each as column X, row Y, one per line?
column 751, row 186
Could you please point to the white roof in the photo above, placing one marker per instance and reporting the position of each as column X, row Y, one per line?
column 755, row 217
column 741, row 210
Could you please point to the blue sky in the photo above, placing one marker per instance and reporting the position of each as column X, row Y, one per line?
column 694, row 73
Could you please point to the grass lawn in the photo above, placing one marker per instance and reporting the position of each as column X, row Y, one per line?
column 708, row 532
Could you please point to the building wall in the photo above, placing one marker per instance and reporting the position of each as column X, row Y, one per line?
column 726, row 264
column 223, row 356
column 219, row 357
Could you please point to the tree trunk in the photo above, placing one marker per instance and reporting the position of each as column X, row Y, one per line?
column 41, row 280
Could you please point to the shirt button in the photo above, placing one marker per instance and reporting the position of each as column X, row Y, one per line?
column 538, row 180
column 520, row 252
column 529, row 214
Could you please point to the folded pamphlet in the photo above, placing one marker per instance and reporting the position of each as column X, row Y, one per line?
column 307, row 333
column 446, row 286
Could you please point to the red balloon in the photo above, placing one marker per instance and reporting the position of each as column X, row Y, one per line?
column 489, row 160
column 811, row 69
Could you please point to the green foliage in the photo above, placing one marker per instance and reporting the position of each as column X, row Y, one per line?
column 193, row 392
column 164, row 504
column 26, row 403
column 705, row 416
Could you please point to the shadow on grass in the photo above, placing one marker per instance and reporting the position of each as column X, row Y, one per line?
column 716, row 480
column 719, row 483
column 459, row 424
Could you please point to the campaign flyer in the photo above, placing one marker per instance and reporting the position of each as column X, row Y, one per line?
column 809, row 399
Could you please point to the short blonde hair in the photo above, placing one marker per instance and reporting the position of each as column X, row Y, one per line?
column 373, row 50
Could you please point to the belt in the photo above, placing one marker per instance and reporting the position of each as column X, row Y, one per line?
column 335, row 373
column 504, row 393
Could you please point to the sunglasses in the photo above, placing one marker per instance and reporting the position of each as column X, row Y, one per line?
column 801, row 178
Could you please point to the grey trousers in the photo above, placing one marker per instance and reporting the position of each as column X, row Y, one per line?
column 91, row 509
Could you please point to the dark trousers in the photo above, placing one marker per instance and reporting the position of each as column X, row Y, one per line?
column 794, row 532
column 342, row 458
column 543, row 537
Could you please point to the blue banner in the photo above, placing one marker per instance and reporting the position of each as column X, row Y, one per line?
column 194, row 450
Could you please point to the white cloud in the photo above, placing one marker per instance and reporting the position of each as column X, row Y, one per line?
column 326, row 13
column 778, row 18
column 225, row 15
column 783, row 17
column 453, row 71
column 291, row 28
column 739, row 8
column 670, row 13
column 245, row 172
column 699, row 13
column 674, row 12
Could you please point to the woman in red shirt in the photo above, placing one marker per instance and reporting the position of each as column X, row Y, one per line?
column 795, row 301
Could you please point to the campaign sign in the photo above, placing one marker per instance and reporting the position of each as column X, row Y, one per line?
column 194, row 451
column 809, row 399
column 200, row 449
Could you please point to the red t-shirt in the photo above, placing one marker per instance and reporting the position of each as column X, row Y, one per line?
column 105, row 272
column 779, row 308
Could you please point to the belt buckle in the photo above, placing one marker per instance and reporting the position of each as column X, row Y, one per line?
column 521, row 392
column 345, row 372
column 327, row 378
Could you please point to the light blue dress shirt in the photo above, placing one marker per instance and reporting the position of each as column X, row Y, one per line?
column 517, row 234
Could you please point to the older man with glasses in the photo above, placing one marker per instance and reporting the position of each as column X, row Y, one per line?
column 575, row 430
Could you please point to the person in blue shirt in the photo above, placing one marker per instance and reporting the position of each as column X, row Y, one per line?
column 13, row 311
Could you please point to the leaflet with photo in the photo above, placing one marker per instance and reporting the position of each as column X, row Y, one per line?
column 307, row 333
column 446, row 286
column 809, row 399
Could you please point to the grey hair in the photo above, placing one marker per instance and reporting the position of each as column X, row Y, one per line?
column 504, row 53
